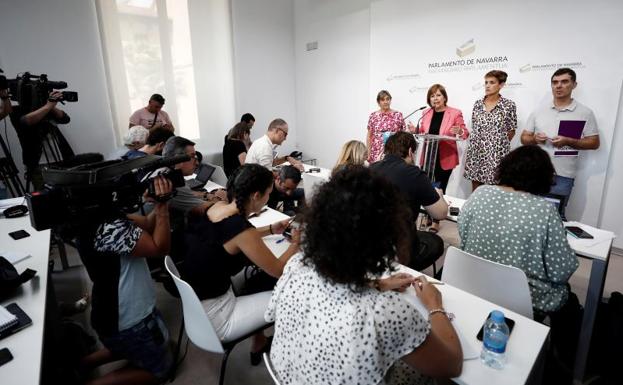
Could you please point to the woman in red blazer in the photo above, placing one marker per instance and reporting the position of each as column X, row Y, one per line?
column 447, row 121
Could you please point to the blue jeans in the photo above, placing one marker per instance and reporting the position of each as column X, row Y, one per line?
column 145, row 345
column 562, row 189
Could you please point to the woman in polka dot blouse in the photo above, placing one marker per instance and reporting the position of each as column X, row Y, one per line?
column 335, row 321
column 511, row 224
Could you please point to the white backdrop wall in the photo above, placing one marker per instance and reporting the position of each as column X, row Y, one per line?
column 332, row 91
column 410, row 50
column 402, row 37
column 60, row 38
column 611, row 211
column 264, row 65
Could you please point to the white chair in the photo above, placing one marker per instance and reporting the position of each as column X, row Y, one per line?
column 198, row 327
column 218, row 176
column 503, row 285
column 310, row 185
column 269, row 366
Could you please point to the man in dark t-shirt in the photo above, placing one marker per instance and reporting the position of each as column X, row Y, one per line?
column 38, row 135
column 399, row 168
column 285, row 189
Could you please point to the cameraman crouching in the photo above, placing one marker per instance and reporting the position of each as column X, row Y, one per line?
column 124, row 313
column 35, row 127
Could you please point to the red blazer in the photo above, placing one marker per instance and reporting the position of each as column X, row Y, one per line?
column 448, row 153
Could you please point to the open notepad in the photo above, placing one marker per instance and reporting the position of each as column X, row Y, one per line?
column 7, row 319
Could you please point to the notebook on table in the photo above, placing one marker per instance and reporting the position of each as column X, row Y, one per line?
column 12, row 320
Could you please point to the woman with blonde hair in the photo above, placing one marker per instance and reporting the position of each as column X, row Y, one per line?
column 353, row 152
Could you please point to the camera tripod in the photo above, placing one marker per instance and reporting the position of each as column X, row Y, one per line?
column 9, row 174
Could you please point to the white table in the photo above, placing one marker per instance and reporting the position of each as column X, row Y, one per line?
column 598, row 252
column 323, row 174
column 27, row 344
column 454, row 202
column 525, row 345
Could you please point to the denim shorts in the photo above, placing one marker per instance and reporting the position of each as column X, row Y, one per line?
column 145, row 345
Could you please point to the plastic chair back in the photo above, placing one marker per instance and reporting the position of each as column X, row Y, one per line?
column 198, row 326
column 503, row 285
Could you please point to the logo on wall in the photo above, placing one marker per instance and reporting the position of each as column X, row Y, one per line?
column 465, row 63
column 402, row 77
column 550, row 67
column 466, row 48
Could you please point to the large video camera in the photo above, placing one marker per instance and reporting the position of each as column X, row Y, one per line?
column 33, row 91
column 93, row 193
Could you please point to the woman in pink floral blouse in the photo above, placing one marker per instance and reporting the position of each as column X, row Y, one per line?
column 381, row 121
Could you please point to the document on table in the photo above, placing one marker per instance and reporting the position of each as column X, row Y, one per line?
column 14, row 256
column 470, row 351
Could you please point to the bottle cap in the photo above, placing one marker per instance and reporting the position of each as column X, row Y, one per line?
column 497, row 316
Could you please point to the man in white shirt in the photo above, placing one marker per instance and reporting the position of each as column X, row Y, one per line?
column 543, row 128
column 263, row 150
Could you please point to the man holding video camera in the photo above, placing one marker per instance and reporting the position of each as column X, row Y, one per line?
column 37, row 129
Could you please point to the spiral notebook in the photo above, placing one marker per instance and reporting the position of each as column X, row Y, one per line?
column 7, row 319
column 16, row 320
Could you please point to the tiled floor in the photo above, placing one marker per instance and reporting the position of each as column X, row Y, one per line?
column 200, row 367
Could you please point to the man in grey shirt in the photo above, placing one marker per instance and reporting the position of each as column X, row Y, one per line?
column 543, row 129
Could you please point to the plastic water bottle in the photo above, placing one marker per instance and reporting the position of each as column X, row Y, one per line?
column 494, row 340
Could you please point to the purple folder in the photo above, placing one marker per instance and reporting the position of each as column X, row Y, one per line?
column 571, row 129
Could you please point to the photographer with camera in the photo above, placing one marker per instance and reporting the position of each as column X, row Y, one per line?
column 124, row 313
column 37, row 128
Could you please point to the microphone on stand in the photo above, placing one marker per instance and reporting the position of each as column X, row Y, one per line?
column 419, row 109
column 417, row 126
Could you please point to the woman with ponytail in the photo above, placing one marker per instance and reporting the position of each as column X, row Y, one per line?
column 222, row 243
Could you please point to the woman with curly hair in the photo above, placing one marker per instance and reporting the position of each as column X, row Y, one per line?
column 336, row 322
column 512, row 224
column 223, row 242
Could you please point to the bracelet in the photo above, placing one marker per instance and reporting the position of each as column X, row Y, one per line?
column 270, row 228
column 441, row 310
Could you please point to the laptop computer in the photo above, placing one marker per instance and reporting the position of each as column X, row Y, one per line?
column 555, row 200
column 203, row 176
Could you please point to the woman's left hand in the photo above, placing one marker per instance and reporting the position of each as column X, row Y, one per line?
column 397, row 282
column 411, row 127
column 456, row 130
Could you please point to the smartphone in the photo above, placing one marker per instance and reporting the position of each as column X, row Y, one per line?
column 19, row 234
column 5, row 356
column 288, row 231
column 578, row 232
column 454, row 211
column 509, row 322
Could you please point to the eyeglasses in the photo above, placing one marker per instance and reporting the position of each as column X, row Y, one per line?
column 285, row 133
